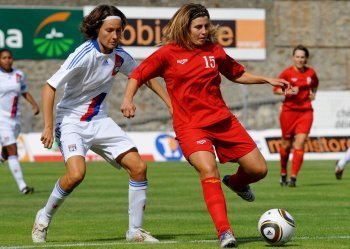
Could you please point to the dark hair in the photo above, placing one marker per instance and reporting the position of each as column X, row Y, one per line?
column 93, row 21
column 5, row 50
column 302, row 48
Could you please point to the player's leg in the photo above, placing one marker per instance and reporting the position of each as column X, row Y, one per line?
column 73, row 147
column 340, row 164
column 205, row 164
column 284, row 157
column 298, row 157
column 136, row 168
column 252, row 168
column 287, row 123
column 75, row 173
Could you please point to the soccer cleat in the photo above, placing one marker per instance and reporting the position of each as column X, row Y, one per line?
column 140, row 235
column 292, row 182
column 27, row 190
column 283, row 181
column 338, row 171
column 39, row 230
column 246, row 193
column 227, row 239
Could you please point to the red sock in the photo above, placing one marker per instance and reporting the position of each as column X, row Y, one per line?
column 241, row 179
column 216, row 205
column 284, row 154
column 298, row 158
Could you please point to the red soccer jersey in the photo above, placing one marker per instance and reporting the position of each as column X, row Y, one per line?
column 304, row 81
column 193, row 81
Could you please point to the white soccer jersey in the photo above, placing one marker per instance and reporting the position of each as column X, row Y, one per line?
column 12, row 85
column 87, row 75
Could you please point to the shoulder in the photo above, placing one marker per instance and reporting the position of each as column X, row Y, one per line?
column 81, row 54
column 17, row 71
column 124, row 54
column 311, row 70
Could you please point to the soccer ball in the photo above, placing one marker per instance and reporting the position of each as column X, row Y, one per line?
column 276, row 226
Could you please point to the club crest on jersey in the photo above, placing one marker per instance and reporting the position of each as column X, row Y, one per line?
column 308, row 80
column 183, row 61
column 18, row 78
column 294, row 79
column 118, row 62
column 72, row 147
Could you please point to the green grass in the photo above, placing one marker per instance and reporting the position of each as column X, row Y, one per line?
column 95, row 215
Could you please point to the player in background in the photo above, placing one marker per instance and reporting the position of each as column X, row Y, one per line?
column 340, row 164
column 12, row 85
column 190, row 61
column 297, row 113
column 82, row 122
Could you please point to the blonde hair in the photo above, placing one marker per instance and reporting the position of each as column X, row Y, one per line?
column 178, row 29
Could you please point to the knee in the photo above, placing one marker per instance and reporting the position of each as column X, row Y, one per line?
column 138, row 171
column 75, row 178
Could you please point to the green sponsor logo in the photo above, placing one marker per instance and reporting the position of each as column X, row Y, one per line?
column 53, row 43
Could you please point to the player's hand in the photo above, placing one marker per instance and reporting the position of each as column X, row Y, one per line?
column 294, row 90
column 47, row 138
column 312, row 95
column 128, row 108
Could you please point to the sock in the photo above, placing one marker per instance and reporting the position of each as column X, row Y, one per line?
column 137, row 203
column 216, row 204
column 241, row 179
column 55, row 200
column 16, row 171
column 298, row 158
column 342, row 162
column 284, row 155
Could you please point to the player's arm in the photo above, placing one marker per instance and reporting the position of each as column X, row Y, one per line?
column 250, row 78
column 156, row 87
column 48, row 97
column 128, row 107
column 32, row 101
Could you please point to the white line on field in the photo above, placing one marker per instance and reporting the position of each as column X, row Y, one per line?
column 162, row 242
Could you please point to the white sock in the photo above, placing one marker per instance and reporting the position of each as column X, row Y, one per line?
column 55, row 200
column 137, row 203
column 16, row 171
column 342, row 162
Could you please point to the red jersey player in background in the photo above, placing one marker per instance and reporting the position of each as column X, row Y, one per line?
column 297, row 114
column 190, row 61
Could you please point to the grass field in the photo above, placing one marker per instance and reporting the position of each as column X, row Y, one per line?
column 95, row 215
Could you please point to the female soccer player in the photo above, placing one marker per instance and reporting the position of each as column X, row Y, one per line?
column 82, row 122
column 190, row 61
column 12, row 85
column 297, row 114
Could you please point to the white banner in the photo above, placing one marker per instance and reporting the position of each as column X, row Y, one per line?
column 323, row 144
column 331, row 110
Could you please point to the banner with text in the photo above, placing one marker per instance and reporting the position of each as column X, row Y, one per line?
column 241, row 33
column 323, row 144
column 40, row 33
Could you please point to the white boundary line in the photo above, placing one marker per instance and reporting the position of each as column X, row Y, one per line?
column 162, row 242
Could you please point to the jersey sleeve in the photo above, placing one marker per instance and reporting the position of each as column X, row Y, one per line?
column 24, row 87
column 151, row 67
column 129, row 64
column 228, row 66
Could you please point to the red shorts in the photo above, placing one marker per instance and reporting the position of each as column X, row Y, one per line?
column 295, row 122
column 230, row 140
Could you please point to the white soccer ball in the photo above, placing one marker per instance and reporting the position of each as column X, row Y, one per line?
column 276, row 226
